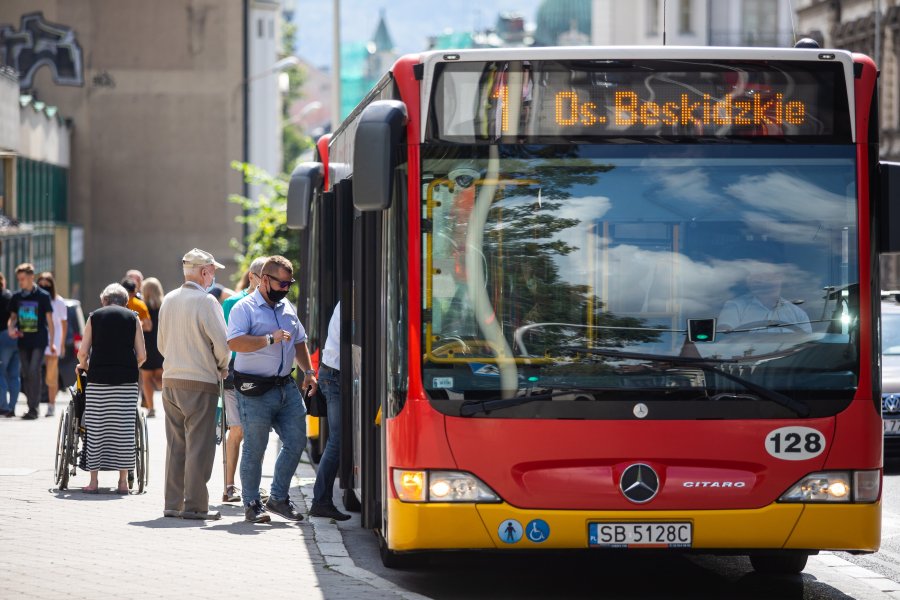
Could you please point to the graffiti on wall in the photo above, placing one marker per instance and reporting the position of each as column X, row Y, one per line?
column 37, row 43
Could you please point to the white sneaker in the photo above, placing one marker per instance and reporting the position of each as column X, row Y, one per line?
column 50, row 410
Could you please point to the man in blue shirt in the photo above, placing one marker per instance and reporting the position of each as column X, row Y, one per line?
column 264, row 331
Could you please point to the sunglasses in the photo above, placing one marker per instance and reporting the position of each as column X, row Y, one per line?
column 282, row 284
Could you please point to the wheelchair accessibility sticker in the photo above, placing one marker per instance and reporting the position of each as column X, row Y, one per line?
column 537, row 531
column 510, row 531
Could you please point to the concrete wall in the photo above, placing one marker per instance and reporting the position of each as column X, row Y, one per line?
column 9, row 113
column 155, row 126
column 44, row 138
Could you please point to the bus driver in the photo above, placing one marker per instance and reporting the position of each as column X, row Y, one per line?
column 763, row 305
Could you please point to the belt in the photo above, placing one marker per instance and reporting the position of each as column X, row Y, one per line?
column 326, row 368
column 274, row 380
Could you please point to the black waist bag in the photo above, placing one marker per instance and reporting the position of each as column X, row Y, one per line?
column 254, row 385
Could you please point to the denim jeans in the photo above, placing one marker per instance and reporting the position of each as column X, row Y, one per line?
column 32, row 361
column 9, row 373
column 282, row 409
column 330, row 385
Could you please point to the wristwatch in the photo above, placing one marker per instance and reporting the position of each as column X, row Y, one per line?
column 270, row 339
column 309, row 372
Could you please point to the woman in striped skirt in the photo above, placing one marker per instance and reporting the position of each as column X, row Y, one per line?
column 112, row 349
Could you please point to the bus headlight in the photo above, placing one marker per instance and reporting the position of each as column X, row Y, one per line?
column 441, row 486
column 835, row 486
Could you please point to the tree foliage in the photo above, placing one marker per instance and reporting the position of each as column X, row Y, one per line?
column 266, row 219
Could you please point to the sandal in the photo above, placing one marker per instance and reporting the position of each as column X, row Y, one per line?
column 87, row 490
column 123, row 491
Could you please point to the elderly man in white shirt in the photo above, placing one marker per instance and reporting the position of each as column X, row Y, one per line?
column 764, row 305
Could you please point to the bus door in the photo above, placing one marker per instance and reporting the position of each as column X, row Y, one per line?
column 365, row 376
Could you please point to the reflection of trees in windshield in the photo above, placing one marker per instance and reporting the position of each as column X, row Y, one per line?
column 524, row 235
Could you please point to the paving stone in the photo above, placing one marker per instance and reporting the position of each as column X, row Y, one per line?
column 73, row 545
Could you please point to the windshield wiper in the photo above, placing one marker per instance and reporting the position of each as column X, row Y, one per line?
column 801, row 409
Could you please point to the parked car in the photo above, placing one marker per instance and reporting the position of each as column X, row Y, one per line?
column 74, row 331
column 890, row 375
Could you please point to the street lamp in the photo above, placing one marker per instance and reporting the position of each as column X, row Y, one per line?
column 300, row 116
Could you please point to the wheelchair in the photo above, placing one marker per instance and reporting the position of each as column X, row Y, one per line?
column 70, row 438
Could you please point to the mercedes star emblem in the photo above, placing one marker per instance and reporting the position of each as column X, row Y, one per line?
column 639, row 483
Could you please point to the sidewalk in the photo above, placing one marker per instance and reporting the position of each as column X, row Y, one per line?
column 65, row 544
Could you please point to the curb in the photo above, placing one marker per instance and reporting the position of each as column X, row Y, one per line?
column 850, row 578
column 330, row 543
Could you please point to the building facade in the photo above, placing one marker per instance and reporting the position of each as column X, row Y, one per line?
column 34, row 174
column 155, row 93
column 756, row 23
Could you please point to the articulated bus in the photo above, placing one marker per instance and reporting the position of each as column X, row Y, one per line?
column 606, row 298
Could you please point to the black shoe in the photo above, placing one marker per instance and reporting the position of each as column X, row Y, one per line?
column 4, row 413
column 30, row 416
column 328, row 511
column 10, row 414
column 256, row 514
column 283, row 508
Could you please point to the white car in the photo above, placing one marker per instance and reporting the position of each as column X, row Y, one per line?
column 890, row 375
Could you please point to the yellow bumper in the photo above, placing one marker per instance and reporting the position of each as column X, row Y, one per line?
column 312, row 427
column 482, row 526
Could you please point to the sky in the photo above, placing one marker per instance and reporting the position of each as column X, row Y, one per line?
column 409, row 21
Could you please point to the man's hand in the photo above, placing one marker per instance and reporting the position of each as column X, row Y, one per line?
column 280, row 335
column 53, row 350
column 223, row 374
column 310, row 383
column 13, row 333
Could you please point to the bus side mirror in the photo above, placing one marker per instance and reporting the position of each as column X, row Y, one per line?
column 375, row 149
column 888, row 214
column 305, row 180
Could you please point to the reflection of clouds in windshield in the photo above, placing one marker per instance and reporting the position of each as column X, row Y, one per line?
column 593, row 207
column 783, row 232
column 691, row 186
column 654, row 281
column 780, row 202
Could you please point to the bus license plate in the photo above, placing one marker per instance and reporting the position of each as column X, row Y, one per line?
column 892, row 426
column 640, row 535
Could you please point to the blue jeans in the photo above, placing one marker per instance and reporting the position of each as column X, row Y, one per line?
column 282, row 409
column 32, row 360
column 9, row 373
column 330, row 385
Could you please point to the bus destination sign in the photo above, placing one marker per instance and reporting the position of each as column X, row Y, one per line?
column 576, row 100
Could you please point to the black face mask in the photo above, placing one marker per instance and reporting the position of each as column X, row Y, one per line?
column 45, row 288
column 276, row 295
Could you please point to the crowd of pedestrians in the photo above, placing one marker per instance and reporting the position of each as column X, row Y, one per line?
column 196, row 344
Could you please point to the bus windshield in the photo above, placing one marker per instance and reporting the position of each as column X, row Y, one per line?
column 575, row 271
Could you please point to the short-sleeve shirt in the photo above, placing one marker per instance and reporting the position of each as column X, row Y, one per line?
column 140, row 307
column 331, row 353
column 31, row 308
column 229, row 303
column 60, row 314
column 748, row 309
column 253, row 316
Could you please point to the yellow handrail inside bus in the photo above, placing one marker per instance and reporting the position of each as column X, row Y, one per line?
column 430, row 355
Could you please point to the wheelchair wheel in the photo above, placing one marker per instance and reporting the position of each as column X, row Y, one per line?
column 61, row 466
column 141, row 452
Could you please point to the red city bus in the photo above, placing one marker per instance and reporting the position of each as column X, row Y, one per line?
column 606, row 298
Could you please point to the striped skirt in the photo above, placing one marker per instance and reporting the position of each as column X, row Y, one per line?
column 109, row 420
